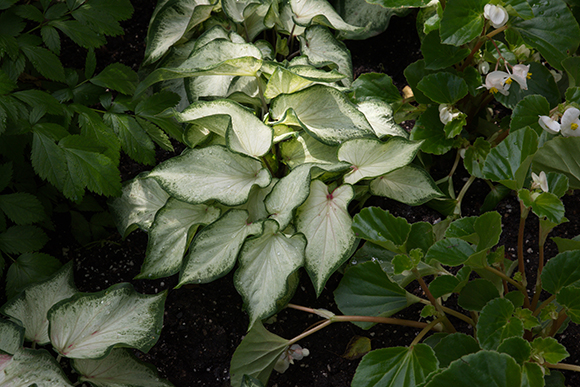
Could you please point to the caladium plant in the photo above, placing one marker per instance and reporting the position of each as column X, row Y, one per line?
column 93, row 330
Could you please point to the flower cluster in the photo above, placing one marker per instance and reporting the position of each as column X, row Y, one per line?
column 500, row 81
column 568, row 124
column 295, row 352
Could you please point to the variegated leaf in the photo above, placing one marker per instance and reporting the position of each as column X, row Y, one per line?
column 31, row 367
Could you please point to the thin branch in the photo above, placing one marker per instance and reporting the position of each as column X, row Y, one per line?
column 424, row 331
column 452, row 312
column 433, row 301
column 564, row 366
column 544, row 304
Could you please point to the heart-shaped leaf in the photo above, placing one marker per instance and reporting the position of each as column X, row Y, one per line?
column 382, row 228
column 410, row 185
column 496, row 323
column 29, row 365
column 561, row 271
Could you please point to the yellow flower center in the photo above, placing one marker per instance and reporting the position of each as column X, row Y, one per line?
column 493, row 90
column 529, row 76
column 574, row 126
column 509, row 81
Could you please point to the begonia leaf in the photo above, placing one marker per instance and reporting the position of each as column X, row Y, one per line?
column 561, row 271
column 554, row 156
column 454, row 346
column 496, row 323
column 381, row 228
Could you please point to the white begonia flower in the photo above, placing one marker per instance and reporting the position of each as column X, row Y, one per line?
column 522, row 52
column 295, row 352
column 521, row 74
column 483, row 67
column 540, row 181
column 570, row 123
column 447, row 113
column 549, row 125
column 497, row 81
column 496, row 14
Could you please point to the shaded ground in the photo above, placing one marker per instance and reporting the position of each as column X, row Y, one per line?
column 204, row 324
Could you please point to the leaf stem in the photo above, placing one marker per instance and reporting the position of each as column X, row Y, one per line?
column 562, row 316
column 466, row 186
column 564, row 366
column 433, row 301
column 521, row 265
column 452, row 312
column 538, row 289
column 309, row 332
column 425, row 330
column 544, row 304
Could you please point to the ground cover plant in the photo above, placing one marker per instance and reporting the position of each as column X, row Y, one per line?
column 279, row 137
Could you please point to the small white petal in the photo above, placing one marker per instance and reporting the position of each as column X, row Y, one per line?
column 496, row 14
column 549, row 125
column 496, row 81
column 521, row 74
column 571, row 122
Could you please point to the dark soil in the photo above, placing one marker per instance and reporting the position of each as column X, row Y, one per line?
column 204, row 324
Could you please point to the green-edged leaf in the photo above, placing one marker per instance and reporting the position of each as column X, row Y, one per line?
column 553, row 30
column 527, row 111
column 32, row 365
column 430, row 129
column 288, row 193
column 209, row 173
column 371, row 158
column 283, row 81
column 462, row 21
column 257, row 355
column 375, row 86
column 89, row 325
column 561, row 271
column 22, row 208
column 438, row 55
column 454, row 346
column 321, row 47
column 214, row 250
column 381, row 228
column 410, row 185
column 170, row 21
column 305, row 149
column 366, row 290
column 117, row 77
column 450, row 251
column 266, row 262
column 548, row 349
column 396, row 366
column 509, row 162
column 169, row 236
column 476, row 294
column 120, row 369
column 324, row 112
column 22, row 239
column 496, row 323
column 443, row 87
column 480, row 369
column 319, row 12
column 326, row 223
column 557, row 155
column 381, row 117
column 140, row 200
column 247, row 135
column 45, row 62
column 11, row 337
column 31, row 306
column 29, row 268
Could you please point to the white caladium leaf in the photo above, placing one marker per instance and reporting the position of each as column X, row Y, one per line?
column 170, row 21
column 320, row 46
column 324, row 112
column 119, row 369
column 214, row 172
column 11, row 336
column 326, row 223
column 237, row 9
column 305, row 149
column 255, row 205
column 140, row 200
column 283, row 81
column 203, row 86
column 215, row 249
column 247, row 133
column 380, row 115
column 266, row 262
column 410, row 184
column 371, row 158
column 31, row 367
column 285, row 21
column 314, row 74
column 289, row 193
column 30, row 306
column 307, row 12
column 89, row 325
column 169, row 236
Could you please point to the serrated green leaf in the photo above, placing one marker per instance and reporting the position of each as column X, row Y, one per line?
column 382, row 228
column 548, row 349
column 396, row 366
column 516, row 347
column 453, row 347
column 22, row 208
column 400, row 3
column 496, row 323
column 79, row 33
column 22, row 239
column 266, row 262
column 120, row 369
column 410, row 185
column 324, row 219
column 93, row 127
column 443, row 285
column 31, row 306
column 214, row 250
column 88, row 325
column 45, row 62
column 134, row 139
column 366, row 290
column 32, row 365
column 488, row 229
column 117, row 77
column 561, row 271
column 51, row 38
column 569, row 297
column 97, row 19
column 169, row 236
column 476, row 294
column 28, row 269
column 156, row 134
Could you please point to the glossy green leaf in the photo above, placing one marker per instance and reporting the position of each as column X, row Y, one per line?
column 79, row 33
column 509, row 162
column 438, row 55
column 22, row 239
column 29, row 268
column 555, row 379
column 549, row 350
column 365, row 290
column 555, row 156
column 561, row 271
column 382, row 228
column 134, row 140
column 45, row 62
column 32, row 365
column 31, row 306
column 89, row 325
column 430, row 129
column 214, row 250
column 462, row 21
column 396, row 366
column 548, row 205
column 527, row 111
column 488, row 229
column 117, row 77
column 565, row 244
column 22, row 208
column 463, row 228
column 532, row 375
column 454, row 346
column 569, row 297
column 410, row 185
column 357, row 347
column 265, row 264
column 480, row 369
column 553, row 30
column 443, row 285
column 476, row 294
column 121, row 368
column 256, row 355
column 450, row 251
column 516, row 347
column 443, row 87
column 325, row 222
column 496, row 323
column 375, row 86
